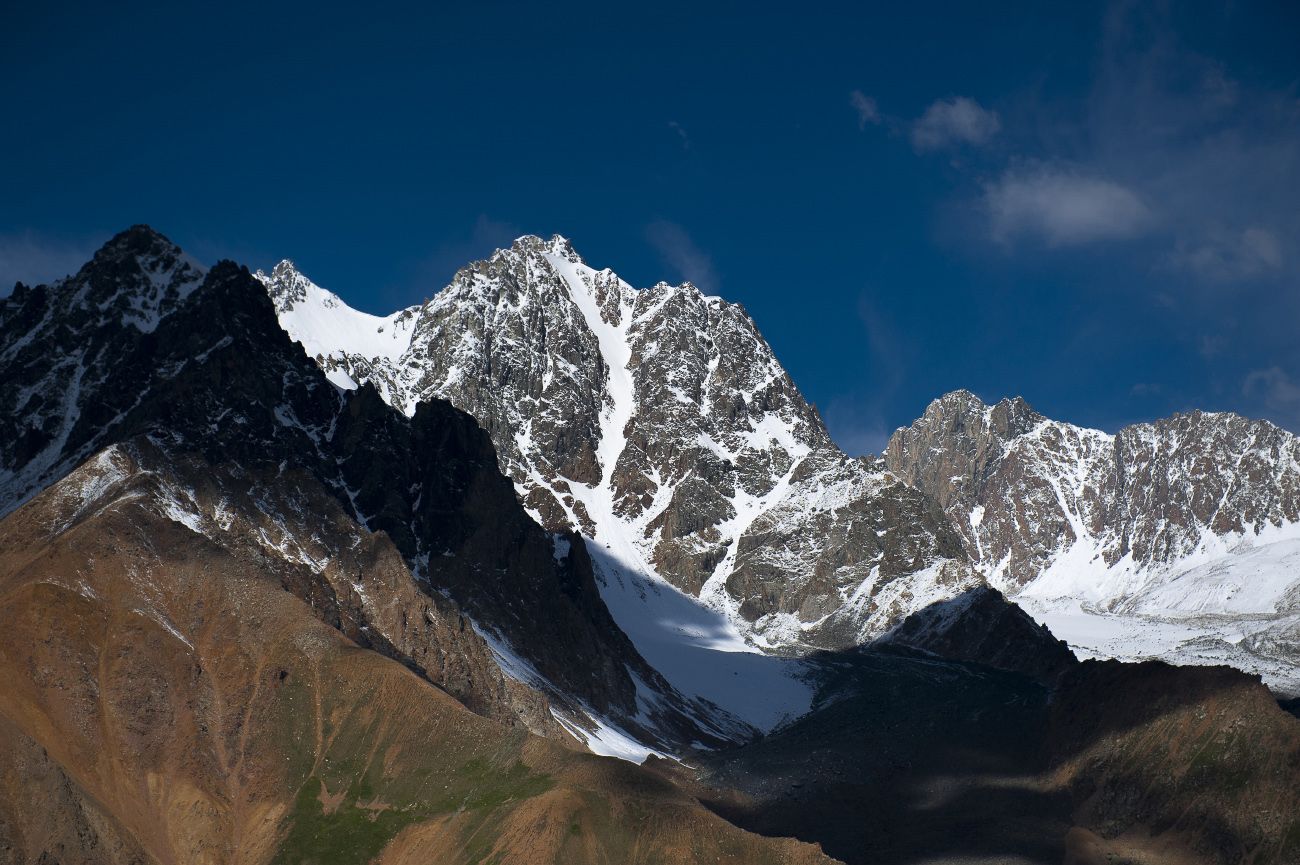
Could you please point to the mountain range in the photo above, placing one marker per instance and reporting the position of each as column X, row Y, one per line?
column 659, row 423
column 283, row 581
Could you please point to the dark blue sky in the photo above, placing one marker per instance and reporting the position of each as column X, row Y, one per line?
column 1094, row 207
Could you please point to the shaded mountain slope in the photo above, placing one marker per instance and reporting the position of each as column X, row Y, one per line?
column 172, row 703
column 211, row 375
column 980, row 626
column 911, row 758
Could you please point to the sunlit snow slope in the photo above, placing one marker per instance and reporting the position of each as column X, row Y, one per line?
column 658, row 423
column 1178, row 539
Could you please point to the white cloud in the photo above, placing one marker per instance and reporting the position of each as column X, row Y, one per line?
column 681, row 133
column 1231, row 256
column 1063, row 207
column 866, row 109
column 456, row 251
column 34, row 259
column 949, row 122
column 680, row 253
column 1274, row 386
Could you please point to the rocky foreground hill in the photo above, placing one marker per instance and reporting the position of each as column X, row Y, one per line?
column 260, row 604
column 170, row 692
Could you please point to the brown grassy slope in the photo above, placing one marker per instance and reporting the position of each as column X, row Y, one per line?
column 170, row 703
column 920, row 761
column 1178, row 763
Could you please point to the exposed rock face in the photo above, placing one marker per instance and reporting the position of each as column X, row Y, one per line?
column 1024, row 490
column 205, row 373
column 981, row 626
column 658, row 423
column 1184, row 534
column 45, row 816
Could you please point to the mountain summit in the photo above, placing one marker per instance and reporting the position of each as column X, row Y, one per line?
column 1178, row 538
column 658, row 423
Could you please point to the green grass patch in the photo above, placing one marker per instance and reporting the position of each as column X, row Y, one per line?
column 347, row 836
column 352, row 833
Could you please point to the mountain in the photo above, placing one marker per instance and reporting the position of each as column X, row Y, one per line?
column 169, row 693
column 909, row 759
column 1178, row 538
column 266, row 606
column 657, row 423
column 145, row 350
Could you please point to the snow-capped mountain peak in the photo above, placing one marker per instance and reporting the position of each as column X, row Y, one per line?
column 1156, row 538
column 658, row 422
column 332, row 332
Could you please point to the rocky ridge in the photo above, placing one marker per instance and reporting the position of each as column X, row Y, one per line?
column 658, row 423
column 1189, row 522
column 143, row 348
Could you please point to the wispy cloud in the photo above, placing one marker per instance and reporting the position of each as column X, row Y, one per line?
column 1168, row 146
column 1225, row 257
column 952, row 122
column 1277, row 392
column 866, row 109
column 479, row 241
column 680, row 253
column 1274, row 386
column 858, row 422
column 1062, row 206
column 34, row 258
column 857, row 427
column 1218, row 158
column 681, row 134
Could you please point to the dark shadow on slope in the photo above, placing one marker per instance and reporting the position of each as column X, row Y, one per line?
column 909, row 758
column 213, row 375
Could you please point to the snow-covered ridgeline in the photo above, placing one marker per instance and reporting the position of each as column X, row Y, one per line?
column 658, row 419
column 439, row 350
column 1165, row 539
column 330, row 330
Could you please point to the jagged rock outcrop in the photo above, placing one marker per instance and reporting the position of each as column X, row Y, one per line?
column 982, row 627
column 658, row 423
column 1191, row 521
column 142, row 345
column 1024, row 490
